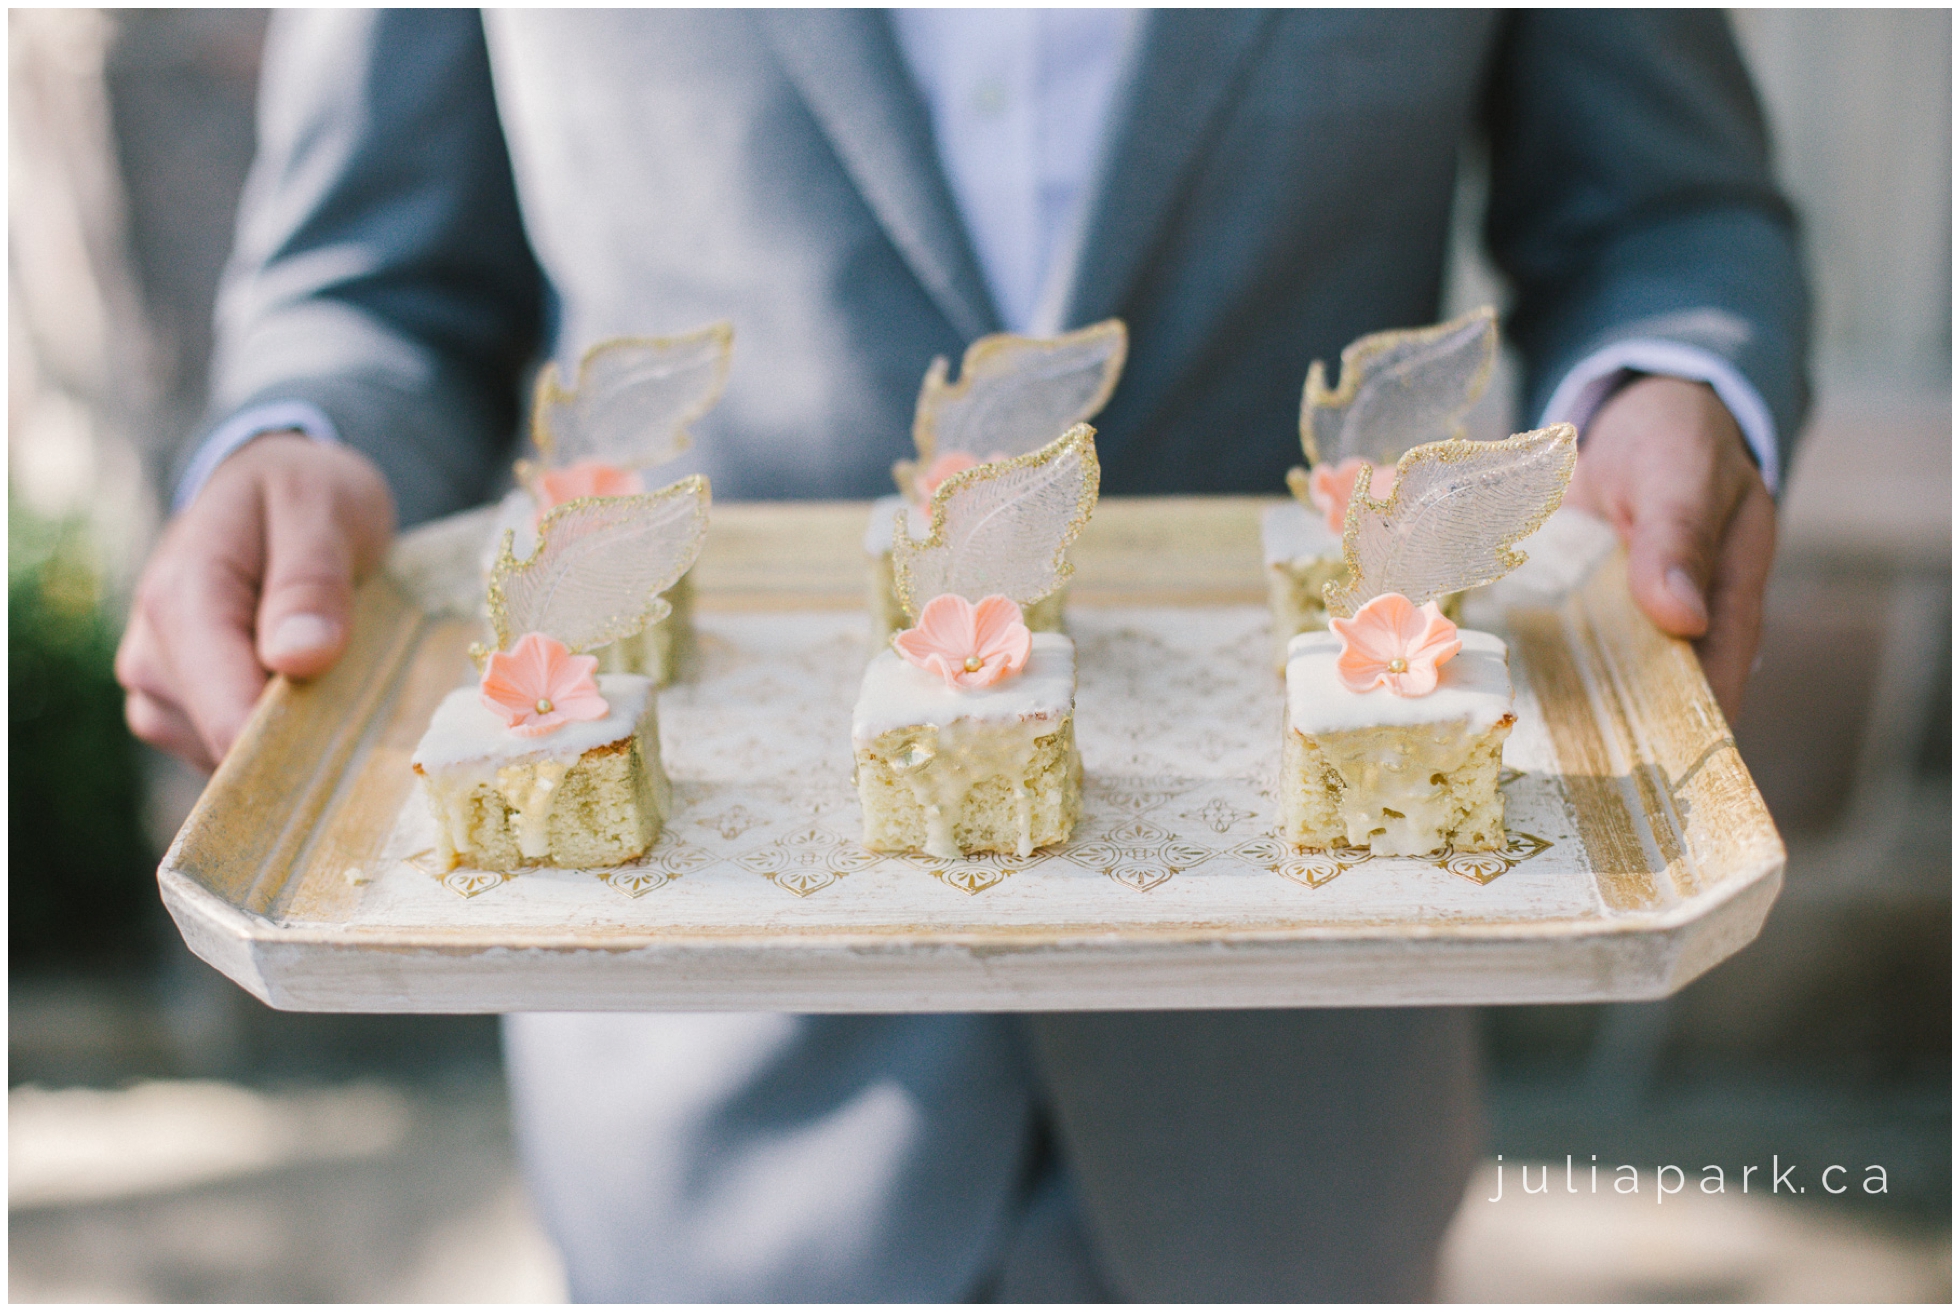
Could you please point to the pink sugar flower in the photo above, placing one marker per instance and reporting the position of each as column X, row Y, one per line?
column 1392, row 642
column 1330, row 489
column 538, row 686
column 969, row 646
column 587, row 478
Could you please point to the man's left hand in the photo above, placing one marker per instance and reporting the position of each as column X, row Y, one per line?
column 1664, row 462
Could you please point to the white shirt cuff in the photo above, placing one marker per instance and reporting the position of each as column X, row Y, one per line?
column 1585, row 388
column 272, row 417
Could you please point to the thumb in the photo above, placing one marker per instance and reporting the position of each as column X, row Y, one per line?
column 1671, row 551
column 306, row 607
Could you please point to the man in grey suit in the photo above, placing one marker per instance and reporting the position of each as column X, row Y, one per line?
column 442, row 199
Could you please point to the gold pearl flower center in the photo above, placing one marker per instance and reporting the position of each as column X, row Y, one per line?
column 973, row 664
column 1398, row 666
column 544, row 706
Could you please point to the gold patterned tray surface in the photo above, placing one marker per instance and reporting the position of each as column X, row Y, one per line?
column 1639, row 852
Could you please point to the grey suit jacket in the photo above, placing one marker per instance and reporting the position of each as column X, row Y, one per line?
column 441, row 199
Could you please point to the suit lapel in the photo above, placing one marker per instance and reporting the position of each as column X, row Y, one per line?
column 847, row 65
column 1187, row 74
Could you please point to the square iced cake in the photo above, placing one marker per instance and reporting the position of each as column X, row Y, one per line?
column 951, row 772
column 589, row 794
column 1404, row 776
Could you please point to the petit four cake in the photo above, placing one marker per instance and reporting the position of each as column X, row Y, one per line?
column 963, row 735
column 1402, row 775
column 1395, row 717
column 1015, row 395
column 546, row 761
column 947, row 770
column 592, row 793
column 1398, row 390
column 627, row 411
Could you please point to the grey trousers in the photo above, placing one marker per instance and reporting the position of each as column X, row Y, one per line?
column 1216, row 1156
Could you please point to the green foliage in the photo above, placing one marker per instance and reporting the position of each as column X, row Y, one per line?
column 81, row 875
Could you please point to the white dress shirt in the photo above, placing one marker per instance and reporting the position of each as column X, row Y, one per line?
column 1021, row 102
column 1020, row 105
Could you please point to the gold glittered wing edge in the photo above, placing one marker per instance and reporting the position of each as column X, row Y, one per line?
column 1357, row 357
column 1080, row 438
column 935, row 391
column 694, row 486
column 548, row 391
column 1339, row 594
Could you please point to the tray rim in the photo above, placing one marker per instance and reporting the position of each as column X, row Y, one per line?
column 1599, row 612
column 1026, row 936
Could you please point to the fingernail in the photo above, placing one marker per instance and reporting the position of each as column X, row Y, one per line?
column 301, row 635
column 1683, row 589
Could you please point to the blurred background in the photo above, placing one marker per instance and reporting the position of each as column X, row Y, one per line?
column 170, row 1139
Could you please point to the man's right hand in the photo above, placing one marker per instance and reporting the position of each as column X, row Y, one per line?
column 256, row 577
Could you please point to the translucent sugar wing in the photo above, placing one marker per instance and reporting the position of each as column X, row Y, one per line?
column 1399, row 390
column 1003, row 527
column 1457, row 511
column 633, row 399
column 600, row 567
column 1017, row 394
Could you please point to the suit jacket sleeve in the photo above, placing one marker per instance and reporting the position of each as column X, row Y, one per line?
column 381, row 270
column 1631, row 197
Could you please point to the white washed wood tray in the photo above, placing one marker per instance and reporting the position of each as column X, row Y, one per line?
column 1640, row 854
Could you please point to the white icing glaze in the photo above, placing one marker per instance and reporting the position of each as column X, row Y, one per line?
column 884, row 512
column 897, row 695
column 966, row 737
column 467, row 745
column 526, row 789
column 952, row 759
column 1292, row 532
column 464, row 730
column 1474, row 687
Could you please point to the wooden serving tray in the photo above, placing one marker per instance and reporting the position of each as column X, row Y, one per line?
column 1640, row 853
